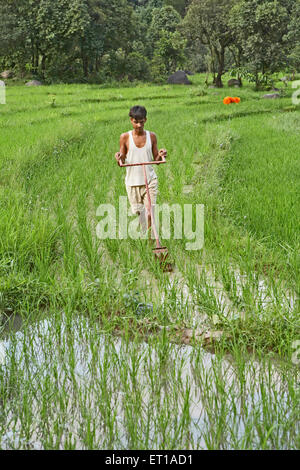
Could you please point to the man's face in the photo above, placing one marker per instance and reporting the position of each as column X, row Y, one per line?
column 138, row 124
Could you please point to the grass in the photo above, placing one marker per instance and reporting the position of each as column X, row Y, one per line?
column 74, row 293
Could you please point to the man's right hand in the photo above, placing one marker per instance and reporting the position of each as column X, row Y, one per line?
column 118, row 157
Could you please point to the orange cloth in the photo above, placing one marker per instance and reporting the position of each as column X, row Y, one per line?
column 229, row 100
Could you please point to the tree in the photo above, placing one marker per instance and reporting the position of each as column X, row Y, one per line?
column 167, row 44
column 56, row 37
column 62, row 28
column 178, row 5
column 11, row 40
column 209, row 22
column 164, row 20
column 260, row 28
column 44, row 29
column 170, row 49
column 110, row 28
column 293, row 37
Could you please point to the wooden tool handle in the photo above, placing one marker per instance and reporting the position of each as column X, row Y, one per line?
column 145, row 163
column 151, row 209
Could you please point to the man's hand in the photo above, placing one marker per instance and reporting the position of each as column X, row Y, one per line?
column 119, row 156
column 162, row 154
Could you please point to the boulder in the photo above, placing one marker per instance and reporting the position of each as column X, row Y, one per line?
column 188, row 72
column 179, row 78
column 34, row 83
column 271, row 96
column 234, row 82
column 6, row 74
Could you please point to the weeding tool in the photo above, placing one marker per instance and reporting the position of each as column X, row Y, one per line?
column 161, row 252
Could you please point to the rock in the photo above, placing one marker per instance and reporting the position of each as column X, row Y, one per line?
column 212, row 336
column 234, row 82
column 34, row 83
column 271, row 96
column 188, row 72
column 132, row 301
column 6, row 74
column 143, row 309
column 2, row 83
column 179, row 78
column 188, row 335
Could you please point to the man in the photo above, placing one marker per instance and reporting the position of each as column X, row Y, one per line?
column 140, row 146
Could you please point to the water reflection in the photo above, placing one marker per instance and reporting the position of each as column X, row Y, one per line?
column 74, row 386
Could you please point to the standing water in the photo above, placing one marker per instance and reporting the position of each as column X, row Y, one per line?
column 65, row 384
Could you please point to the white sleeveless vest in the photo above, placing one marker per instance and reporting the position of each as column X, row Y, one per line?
column 135, row 174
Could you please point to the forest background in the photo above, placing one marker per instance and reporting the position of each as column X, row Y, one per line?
column 95, row 41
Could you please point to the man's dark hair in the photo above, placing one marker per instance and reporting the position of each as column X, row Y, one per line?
column 138, row 112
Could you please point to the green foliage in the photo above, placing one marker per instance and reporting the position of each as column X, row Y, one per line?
column 119, row 65
column 167, row 44
column 260, row 28
column 137, row 66
column 158, row 70
column 170, row 48
column 65, row 68
column 293, row 36
column 56, row 40
column 209, row 22
column 163, row 19
column 10, row 31
column 179, row 5
column 57, row 30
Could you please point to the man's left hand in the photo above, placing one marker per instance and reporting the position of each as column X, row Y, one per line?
column 162, row 153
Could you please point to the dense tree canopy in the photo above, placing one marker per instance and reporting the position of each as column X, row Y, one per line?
column 262, row 36
column 209, row 22
column 96, row 40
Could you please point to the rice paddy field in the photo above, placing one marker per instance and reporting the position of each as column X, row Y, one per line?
column 101, row 349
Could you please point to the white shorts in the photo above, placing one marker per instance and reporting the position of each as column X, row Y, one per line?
column 137, row 196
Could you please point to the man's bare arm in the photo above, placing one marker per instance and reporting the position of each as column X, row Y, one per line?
column 157, row 154
column 121, row 155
